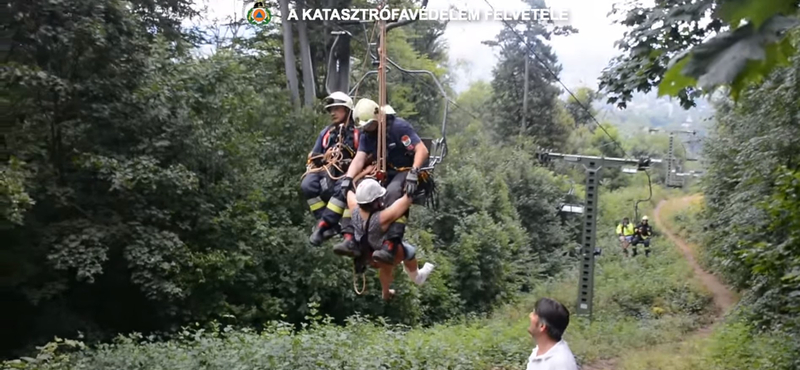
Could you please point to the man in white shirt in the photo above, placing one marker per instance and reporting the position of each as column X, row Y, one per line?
column 549, row 320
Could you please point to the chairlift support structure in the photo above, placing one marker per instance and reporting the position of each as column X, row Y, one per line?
column 338, row 77
column 673, row 180
column 592, row 165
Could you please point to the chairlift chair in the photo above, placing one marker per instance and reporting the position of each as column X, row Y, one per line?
column 338, row 79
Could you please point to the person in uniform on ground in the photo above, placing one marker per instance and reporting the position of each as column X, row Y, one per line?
column 325, row 196
column 405, row 154
column 643, row 234
column 371, row 222
column 625, row 232
column 548, row 322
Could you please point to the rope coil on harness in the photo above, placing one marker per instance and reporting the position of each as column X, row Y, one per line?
column 332, row 157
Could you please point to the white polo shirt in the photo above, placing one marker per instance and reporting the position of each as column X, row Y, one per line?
column 559, row 357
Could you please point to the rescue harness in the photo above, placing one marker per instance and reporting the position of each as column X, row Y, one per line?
column 334, row 156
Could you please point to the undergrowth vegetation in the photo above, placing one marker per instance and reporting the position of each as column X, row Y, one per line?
column 639, row 303
column 734, row 343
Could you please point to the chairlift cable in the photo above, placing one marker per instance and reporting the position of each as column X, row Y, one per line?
column 445, row 96
column 536, row 56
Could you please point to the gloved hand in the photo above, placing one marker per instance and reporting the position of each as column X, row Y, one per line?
column 411, row 181
column 347, row 183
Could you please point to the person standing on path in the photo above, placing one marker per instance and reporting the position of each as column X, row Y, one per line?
column 549, row 320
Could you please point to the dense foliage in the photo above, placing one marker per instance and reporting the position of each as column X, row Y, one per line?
column 751, row 206
column 149, row 188
column 685, row 47
column 638, row 304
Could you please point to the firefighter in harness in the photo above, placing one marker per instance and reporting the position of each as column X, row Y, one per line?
column 405, row 155
column 324, row 185
column 372, row 221
column 642, row 236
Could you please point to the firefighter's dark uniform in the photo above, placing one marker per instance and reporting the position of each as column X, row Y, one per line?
column 643, row 234
column 401, row 139
column 325, row 197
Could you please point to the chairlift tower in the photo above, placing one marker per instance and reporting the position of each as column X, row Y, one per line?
column 592, row 165
column 673, row 180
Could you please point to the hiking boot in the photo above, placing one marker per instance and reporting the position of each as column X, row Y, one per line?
column 383, row 256
column 321, row 233
column 347, row 247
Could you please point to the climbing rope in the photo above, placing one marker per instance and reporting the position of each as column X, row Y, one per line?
column 332, row 158
column 363, row 281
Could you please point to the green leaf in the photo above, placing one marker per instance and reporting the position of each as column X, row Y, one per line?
column 725, row 58
column 755, row 11
column 674, row 80
column 777, row 54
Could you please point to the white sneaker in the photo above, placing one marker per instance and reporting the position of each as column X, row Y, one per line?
column 424, row 272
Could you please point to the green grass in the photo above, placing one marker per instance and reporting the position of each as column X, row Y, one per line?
column 732, row 344
column 639, row 303
column 684, row 220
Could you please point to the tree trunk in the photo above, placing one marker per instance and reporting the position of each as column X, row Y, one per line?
column 288, row 54
column 309, row 88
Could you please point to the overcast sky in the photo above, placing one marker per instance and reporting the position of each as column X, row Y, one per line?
column 582, row 55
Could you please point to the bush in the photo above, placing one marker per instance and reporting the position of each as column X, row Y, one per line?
column 639, row 303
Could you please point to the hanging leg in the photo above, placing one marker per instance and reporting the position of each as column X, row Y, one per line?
column 623, row 242
column 394, row 235
column 347, row 247
column 322, row 230
column 328, row 226
column 312, row 191
column 418, row 276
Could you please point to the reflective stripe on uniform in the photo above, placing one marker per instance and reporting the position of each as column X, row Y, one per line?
column 401, row 220
column 336, row 205
column 315, row 203
column 346, row 213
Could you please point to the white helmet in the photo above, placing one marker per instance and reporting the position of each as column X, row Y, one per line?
column 644, row 218
column 369, row 190
column 366, row 111
column 339, row 98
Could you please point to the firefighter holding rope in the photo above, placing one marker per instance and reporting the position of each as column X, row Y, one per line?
column 324, row 184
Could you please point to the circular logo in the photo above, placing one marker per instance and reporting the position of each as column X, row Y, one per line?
column 259, row 16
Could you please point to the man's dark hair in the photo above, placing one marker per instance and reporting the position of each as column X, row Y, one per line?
column 554, row 316
column 373, row 206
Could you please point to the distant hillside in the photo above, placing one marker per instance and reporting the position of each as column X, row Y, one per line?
column 648, row 110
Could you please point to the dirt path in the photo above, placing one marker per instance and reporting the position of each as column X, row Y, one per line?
column 724, row 298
